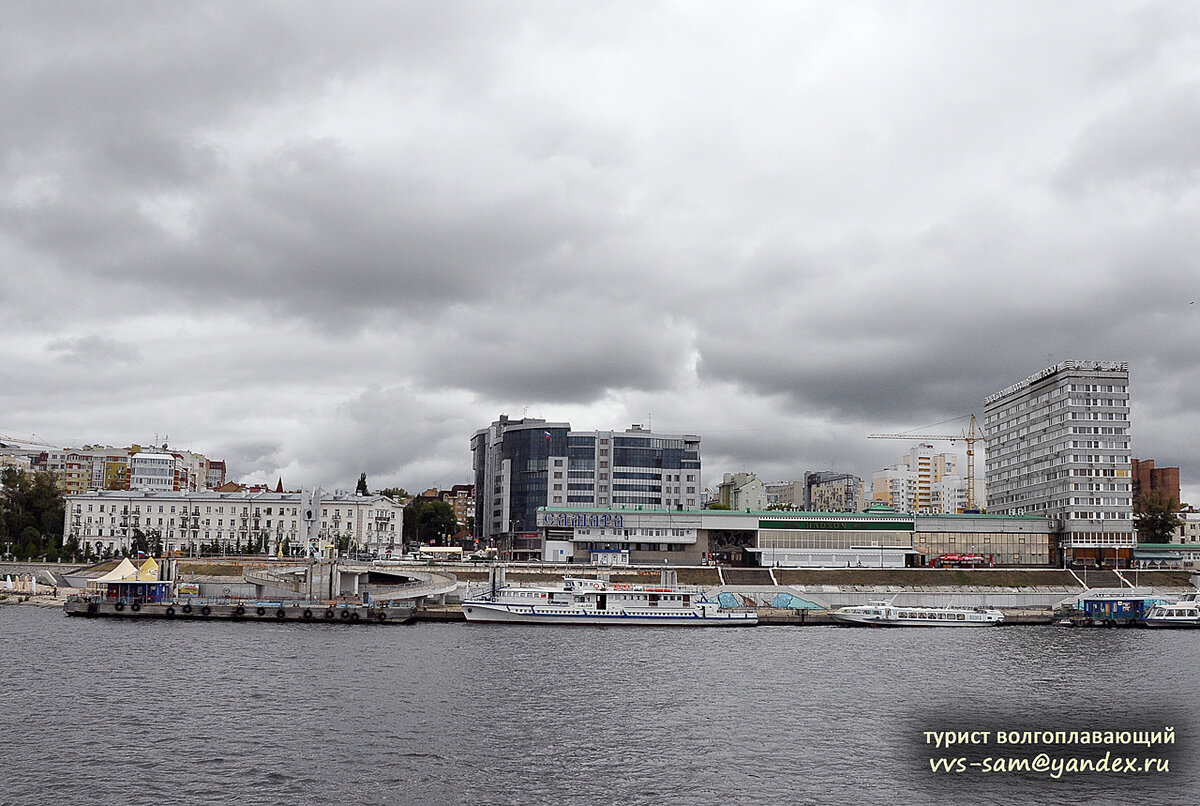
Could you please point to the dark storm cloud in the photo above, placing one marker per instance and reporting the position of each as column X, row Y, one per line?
column 160, row 192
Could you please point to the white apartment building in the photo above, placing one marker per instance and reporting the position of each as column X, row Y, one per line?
column 743, row 491
column 1058, row 445
column 924, row 482
column 184, row 520
column 152, row 471
column 1189, row 530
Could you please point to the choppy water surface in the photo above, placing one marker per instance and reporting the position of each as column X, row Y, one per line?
column 122, row 712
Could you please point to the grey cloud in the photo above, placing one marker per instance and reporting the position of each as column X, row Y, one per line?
column 558, row 347
column 95, row 350
column 379, row 226
column 1146, row 142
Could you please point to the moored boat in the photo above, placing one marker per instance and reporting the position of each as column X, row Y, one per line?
column 1184, row 613
column 598, row 601
column 888, row 614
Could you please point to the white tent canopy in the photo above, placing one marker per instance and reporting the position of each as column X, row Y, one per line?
column 125, row 572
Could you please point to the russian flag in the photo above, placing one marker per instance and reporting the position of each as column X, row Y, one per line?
column 547, row 433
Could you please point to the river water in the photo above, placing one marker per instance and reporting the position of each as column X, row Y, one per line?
column 131, row 712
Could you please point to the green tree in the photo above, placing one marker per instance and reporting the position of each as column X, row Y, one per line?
column 140, row 543
column 361, row 489
column 1156, row 517
column 30, row 543
column 31, row 501
column 397, row 494
column 71, row 548
column 427, row 521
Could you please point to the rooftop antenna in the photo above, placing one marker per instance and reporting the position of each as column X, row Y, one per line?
column 649, row 421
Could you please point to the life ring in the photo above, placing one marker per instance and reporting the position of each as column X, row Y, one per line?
column 187, row 608
column 240, row 611
column 381, row 617
column 170, row 611
column 345, row 615
column 329, row 613
column 136, row 606
column 261, row 611
column 119, row 606
column 307, row 615
column 91, row 608
column 354, row 616
column 204, row 611
column 280, row 613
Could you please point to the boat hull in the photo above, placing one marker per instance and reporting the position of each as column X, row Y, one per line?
column 856, row 621
column 499, row 613
column 887, row 615
column 1171, row 623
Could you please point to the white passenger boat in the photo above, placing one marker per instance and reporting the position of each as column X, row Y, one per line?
column 887, row 614
column 598, row 601
column 1184, row 613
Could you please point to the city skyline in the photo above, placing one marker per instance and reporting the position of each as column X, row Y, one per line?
column 318, row 241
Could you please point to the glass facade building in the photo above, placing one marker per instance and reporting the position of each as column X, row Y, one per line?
column 521, row 465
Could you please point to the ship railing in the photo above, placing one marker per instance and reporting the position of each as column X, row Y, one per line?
column 246, row 601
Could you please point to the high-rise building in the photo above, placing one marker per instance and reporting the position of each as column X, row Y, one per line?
column 924, row 482
column 1150, row 479
column 521, row 465
column 1058, row 446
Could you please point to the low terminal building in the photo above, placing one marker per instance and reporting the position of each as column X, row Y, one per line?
column 1167, row 555
column 876, row 538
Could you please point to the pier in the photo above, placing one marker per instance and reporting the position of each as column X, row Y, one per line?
column 276, row 612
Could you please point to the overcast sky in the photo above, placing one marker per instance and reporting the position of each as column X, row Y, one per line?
column 316, row 239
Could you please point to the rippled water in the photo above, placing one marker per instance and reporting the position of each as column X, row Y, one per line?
column 123, row 712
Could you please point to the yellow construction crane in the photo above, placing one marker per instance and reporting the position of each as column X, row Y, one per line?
column 970, row 436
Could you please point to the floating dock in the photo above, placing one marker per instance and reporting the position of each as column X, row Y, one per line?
column 278, row 612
